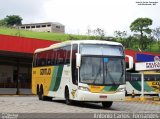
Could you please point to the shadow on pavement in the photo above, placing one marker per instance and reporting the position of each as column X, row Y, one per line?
column 83, row 104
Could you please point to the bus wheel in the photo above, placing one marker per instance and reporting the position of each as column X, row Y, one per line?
column 42, row 97
column 107, row 104
column 126, row 94
column 67, row 100
column 40, row 94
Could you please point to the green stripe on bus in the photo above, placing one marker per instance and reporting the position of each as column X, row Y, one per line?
column 106, row 88
column 53, row 81
column 146, row 87
column 136, row 85
column 113, row 88
column 58, row 78
column 110, row 88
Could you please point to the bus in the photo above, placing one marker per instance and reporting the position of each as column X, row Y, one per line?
column 83, row 70
column 151, row 83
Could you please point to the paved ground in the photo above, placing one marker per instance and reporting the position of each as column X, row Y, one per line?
column 31, row 104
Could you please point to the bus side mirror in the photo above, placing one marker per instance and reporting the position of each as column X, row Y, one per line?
column 78, row 60
column 130, row 61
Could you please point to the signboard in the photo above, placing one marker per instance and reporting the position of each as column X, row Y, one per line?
column 147, row 66
column 146, row 58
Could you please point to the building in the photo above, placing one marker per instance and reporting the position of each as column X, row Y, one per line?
column 54, row 27
column 16, row 55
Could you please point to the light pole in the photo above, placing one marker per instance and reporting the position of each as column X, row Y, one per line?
column 17, row 79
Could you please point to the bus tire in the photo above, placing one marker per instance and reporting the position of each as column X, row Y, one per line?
column 40, row 94
column 42, row 97
column 37, row 90
column 107, row 104
column 67, row 98
column 126, row 93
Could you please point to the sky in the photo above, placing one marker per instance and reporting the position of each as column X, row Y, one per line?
column 80, row 15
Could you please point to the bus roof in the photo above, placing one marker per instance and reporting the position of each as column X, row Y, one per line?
column 61, row 44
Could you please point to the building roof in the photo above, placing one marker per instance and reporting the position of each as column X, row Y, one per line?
column 22, row 44
column 57, row 23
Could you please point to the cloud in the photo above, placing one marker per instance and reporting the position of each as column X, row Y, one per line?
column 77, row 15
column 29, row 10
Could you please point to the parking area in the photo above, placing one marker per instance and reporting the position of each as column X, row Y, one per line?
column 31, row 104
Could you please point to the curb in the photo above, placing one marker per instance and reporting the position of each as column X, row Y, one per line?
column 17, row 95
column 151, row 100
column 143, row 99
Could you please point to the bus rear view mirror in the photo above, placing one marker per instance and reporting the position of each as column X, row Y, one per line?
column 130, row 62
column 78, row 60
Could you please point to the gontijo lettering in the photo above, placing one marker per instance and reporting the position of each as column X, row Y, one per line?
column 45, row 71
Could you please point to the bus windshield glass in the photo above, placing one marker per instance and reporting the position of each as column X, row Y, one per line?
column 102, row 69
column 108, row 50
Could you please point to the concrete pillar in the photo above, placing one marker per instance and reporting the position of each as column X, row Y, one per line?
column 142, row 86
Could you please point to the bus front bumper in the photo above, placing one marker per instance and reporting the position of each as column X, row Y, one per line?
column 98, row 97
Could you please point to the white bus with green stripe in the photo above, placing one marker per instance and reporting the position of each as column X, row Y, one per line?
column 151, row 83
column 83, row 70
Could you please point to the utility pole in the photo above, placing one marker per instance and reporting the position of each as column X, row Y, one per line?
column 17, row 79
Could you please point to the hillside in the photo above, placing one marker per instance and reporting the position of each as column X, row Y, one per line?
column 41, row 35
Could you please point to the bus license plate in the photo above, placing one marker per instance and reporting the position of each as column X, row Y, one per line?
column 102, row 96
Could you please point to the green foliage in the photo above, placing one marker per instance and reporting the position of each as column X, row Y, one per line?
column 121, row 36
column 43, row 35
column 142, row 25
column 11, row 20
column 97, row 33
column 3, row 22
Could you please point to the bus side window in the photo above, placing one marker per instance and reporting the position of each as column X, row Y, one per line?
column 42, row 59
column 60, row 56
column 35, row 60
column 54, row 57
column 48, row 57
column 74, row 69
column 67, row 51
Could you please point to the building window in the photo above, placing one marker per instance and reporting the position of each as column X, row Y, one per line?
column 43, row 25
column 32, row 26
column 48, row 25
column 38, row 26
column 22, row 27
column 27, row 27
column 58, row 27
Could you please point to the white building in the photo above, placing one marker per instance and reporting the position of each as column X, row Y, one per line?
column 54, row 27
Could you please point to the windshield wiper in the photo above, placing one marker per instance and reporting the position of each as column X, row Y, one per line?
column 112, row 80
column 122, row 71
column 97, row 74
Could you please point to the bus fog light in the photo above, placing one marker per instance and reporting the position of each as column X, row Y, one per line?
column 83, row 88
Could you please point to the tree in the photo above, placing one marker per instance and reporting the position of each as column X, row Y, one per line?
column 12, row 20
column 100, row 32
column 156, row 35
column 97, row 33
column 141, row 25
column 2, row 22
column 120, row 36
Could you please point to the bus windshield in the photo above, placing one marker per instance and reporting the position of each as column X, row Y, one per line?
column 102, row 65
column 101, row 49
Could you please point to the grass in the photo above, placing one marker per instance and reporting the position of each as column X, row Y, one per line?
column 41, row 35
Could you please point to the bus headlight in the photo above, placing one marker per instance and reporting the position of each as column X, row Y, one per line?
column 83, row 88
column 120, row 90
